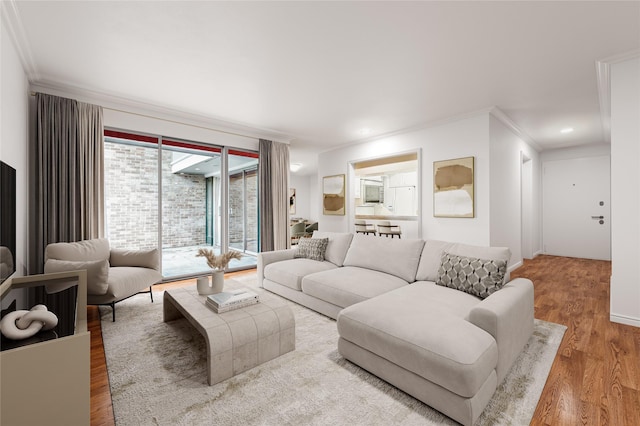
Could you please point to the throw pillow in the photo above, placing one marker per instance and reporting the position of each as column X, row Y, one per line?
column 311, row 248
column 479, row 277
column 97, row 274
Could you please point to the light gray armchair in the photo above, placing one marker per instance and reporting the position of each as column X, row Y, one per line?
column 112, row 274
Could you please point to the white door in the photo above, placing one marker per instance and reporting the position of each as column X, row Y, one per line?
column 575, row 208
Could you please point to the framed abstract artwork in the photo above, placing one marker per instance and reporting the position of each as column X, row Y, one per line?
column 333, row 195
column 453, row 188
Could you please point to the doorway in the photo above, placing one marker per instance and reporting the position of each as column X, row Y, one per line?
column 576, row 210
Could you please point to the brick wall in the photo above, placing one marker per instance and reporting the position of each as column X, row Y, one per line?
column 236, row 204
column 131, row 187
column 131, row 195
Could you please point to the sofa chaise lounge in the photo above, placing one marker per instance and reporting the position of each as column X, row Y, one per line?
column 401, row 316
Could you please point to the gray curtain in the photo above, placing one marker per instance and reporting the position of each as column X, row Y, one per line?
column 68, row 174
column 274, row 196
column 67, row 186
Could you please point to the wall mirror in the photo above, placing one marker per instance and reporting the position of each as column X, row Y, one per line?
column 387, row 187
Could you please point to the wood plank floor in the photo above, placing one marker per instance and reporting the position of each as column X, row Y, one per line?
column 595, row 377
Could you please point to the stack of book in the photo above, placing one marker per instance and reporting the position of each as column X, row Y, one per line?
column 230, row 300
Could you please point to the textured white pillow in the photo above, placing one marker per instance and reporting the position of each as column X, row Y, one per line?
column 311, row 248
column 97, row 274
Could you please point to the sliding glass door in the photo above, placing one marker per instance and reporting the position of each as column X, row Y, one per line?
column 243, row 201
column 173, row 195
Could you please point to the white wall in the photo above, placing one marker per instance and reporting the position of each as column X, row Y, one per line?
column 506, row 153
column 462, row 138
column 303, row 195
column 625, row 192
column 597, row 150
column 14, row 108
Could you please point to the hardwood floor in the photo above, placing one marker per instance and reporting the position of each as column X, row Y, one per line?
column 595, row 377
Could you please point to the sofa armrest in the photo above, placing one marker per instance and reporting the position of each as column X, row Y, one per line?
column 138, row 258
column 268, row 257
column 508, row 316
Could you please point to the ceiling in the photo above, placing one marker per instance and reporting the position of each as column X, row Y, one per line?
column 316, row 73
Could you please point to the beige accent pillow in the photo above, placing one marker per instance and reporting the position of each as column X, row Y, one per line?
column 149, row 258
column 97, row 274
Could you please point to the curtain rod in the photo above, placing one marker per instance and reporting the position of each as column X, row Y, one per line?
column 176, row 122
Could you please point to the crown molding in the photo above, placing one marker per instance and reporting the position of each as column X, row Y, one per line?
column 507, row 121
column 603, row 78
column 410, row 129
column 146, row 109
column 13, row 22
column 493, row 110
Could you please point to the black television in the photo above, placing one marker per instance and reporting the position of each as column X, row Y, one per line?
column 7, row 221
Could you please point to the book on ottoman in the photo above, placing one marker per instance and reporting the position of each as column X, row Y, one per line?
column 233, row 299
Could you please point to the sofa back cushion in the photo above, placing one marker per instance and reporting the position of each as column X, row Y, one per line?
column 394, row 257
column 430, row 259
column 433, row 250
column 96, row 249
column 336, row 247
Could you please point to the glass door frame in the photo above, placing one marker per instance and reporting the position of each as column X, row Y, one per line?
column 160, row 141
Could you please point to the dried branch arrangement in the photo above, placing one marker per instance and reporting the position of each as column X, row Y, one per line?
column 218, row 262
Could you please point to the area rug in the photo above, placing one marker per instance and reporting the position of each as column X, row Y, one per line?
column 157, row 375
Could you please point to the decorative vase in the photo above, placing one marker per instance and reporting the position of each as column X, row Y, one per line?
column 203, row 286
column 217, row 281
column 215, row 286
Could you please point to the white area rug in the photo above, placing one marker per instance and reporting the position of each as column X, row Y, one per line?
column 157, row 374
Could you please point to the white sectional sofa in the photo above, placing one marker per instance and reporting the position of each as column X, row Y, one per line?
column 401, row 316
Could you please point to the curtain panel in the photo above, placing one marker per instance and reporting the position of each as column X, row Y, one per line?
column 67, row 199
column 68, row 173
column 274, row 196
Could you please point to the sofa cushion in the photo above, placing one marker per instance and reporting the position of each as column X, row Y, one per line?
column 97, row 274
column 433, row 344
column 128, row 280
column 479, row 277
column 447, row 300
column 149, row 258
column 290, row 272
column 348, row 285
column 395, row 257
column 430, row 259
column 337, row 246
column 96, row 249
column 311, row 248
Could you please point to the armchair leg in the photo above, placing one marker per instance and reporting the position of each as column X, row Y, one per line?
column 151, row 292
column 113, row 311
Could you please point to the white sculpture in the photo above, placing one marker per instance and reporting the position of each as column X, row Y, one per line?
column 22, row 324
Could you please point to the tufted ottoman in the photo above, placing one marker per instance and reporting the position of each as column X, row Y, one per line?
column 237, row 340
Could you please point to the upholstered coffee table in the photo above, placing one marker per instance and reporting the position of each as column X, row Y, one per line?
column 237, row 340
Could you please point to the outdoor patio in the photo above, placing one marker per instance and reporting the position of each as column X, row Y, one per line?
column 182, row 261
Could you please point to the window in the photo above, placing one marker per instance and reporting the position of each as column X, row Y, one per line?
column 168, row 193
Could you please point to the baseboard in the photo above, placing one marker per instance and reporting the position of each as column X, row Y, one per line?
column 538, row 253
column 514, row 266
column 623, row 319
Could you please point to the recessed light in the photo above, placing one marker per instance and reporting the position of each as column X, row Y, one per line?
column 294, row 167
column 566, row 130
column 365, row 131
